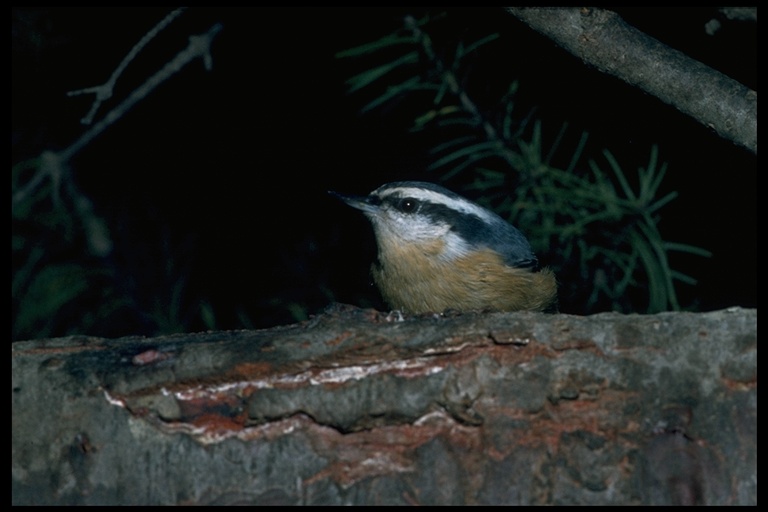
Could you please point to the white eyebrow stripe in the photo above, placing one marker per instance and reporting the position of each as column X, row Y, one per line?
column 460, row 205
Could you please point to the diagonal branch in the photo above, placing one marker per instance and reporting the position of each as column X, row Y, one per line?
column 104, row 91
column 602, row 39
column 198, row 47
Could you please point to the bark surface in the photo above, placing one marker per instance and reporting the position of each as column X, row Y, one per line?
column 359, row 407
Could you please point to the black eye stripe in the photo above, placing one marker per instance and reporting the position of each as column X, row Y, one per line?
column 486, row 230
column 408, row 205
column 405, row 204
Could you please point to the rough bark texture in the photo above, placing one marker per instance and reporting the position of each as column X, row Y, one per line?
column 601, row 38
column 355, row 407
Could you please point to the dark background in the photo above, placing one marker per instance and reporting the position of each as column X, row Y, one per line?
column 215, row 185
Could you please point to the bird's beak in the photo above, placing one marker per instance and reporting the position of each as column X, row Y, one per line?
column 363, row 203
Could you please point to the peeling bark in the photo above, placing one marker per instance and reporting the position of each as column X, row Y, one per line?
column 358, row 407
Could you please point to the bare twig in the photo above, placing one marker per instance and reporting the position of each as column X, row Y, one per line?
column 55, row 165
column 602, row 39
column 53, row 162
column 104, row 91
column 199, row 46
column 740, row 13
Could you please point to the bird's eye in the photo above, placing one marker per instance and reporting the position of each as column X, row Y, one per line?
column 408, row 205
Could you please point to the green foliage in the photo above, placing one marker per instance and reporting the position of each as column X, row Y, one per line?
column 47, row 280
column 598, row 224
column 62, row 279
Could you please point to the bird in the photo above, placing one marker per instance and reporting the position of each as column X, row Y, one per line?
column 438, row 251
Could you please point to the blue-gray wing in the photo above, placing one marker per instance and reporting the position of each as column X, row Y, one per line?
column 500, row 236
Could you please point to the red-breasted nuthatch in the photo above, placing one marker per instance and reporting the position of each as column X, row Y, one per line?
column 439, row 251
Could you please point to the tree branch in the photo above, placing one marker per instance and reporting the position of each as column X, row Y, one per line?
column 602, row 39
